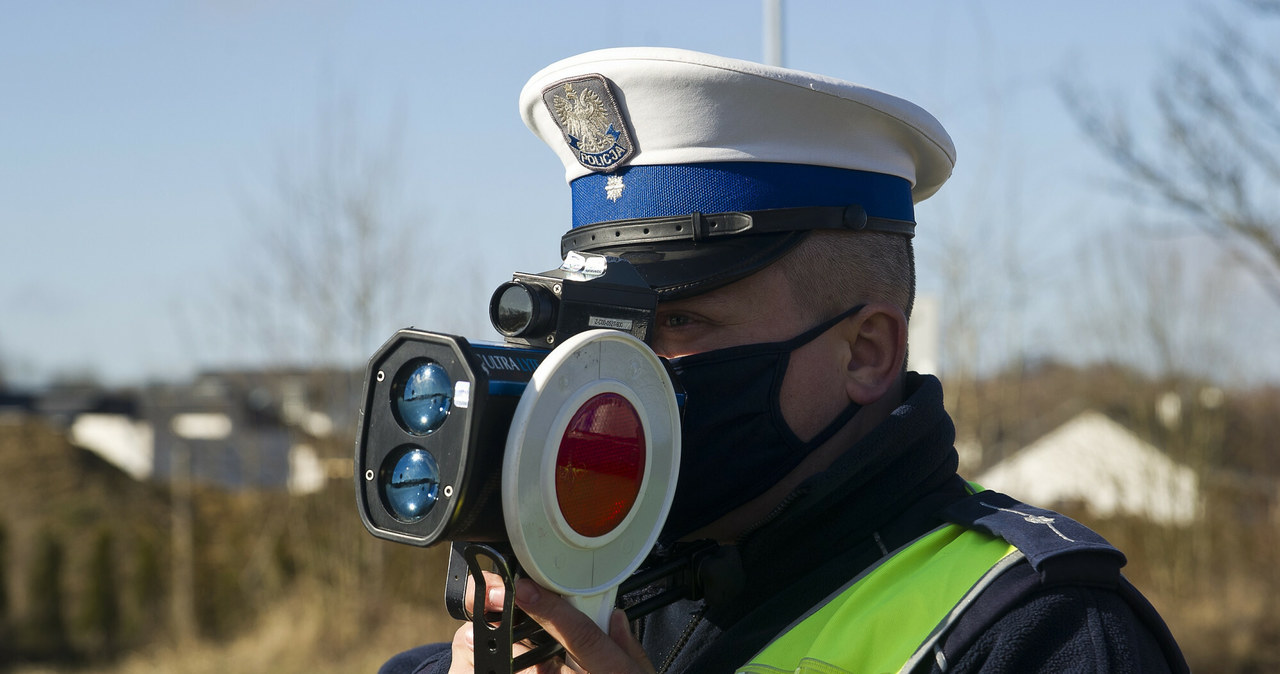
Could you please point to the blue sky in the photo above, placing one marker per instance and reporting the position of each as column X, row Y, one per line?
column 133, row 135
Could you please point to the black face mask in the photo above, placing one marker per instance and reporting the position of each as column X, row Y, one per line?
column 735, row 443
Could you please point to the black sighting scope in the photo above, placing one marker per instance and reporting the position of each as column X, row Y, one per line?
column 585, row 293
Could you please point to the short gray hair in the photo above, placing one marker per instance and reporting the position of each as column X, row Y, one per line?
column 831, row 271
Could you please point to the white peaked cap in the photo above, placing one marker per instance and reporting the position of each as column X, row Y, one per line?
column 689, row 132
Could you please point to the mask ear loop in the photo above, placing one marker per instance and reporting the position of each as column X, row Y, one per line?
column 817, row 330
column 831, row 429
column 802, row 446
column 785, row 346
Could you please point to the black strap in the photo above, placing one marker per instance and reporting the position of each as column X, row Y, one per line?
column 697, row 227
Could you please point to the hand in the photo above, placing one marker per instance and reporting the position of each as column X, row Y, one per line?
column 591, row 649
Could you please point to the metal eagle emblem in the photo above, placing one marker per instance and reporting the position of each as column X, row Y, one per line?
column 590, row 119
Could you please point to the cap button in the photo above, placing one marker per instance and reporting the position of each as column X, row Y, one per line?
column 855, row 218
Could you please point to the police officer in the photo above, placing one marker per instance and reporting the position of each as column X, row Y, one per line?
column 773, row 212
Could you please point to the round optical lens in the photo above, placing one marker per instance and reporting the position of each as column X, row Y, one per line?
column 423, row 394
column 410, row 483
column 514, row 311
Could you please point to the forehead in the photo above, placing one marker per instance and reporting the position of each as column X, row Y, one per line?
column 767, row 292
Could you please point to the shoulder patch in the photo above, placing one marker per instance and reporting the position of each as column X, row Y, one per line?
column 1040, row 534
column 592, row 122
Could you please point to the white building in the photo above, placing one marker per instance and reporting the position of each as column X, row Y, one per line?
column 126, row 442
column 1095, row 461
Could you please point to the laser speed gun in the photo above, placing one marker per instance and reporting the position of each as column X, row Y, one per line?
column 553, row 455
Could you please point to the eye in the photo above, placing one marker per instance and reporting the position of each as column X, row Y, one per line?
column 674, row 320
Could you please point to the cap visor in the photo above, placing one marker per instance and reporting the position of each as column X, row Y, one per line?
column 681, row 268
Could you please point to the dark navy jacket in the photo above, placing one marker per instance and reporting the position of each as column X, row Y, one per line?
column 1066, row 609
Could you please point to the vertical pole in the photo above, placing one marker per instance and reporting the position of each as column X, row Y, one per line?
column 773, row 32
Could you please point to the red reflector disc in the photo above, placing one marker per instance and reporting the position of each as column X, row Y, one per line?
column 600, row 465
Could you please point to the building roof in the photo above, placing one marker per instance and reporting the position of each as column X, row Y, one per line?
column 1096, row 462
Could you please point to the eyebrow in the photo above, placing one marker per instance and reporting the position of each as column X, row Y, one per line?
column 698, row 304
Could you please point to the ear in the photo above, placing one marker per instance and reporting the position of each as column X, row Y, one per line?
column 877, row 338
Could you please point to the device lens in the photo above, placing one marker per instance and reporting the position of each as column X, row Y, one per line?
column 423, row 394
column 513, row 312
column 410, row 483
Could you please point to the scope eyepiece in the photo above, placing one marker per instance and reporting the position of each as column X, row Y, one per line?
column 584, row 293
column 520, row 309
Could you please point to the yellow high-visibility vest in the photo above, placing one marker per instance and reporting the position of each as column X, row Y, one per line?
column 889, row 615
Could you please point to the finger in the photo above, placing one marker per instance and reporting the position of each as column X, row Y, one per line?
column 463, row 661
column 494, row 594
column 464, row 654
column 593, row 650
column 620, row 632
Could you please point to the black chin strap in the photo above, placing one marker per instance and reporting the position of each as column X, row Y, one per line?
column 697, row 227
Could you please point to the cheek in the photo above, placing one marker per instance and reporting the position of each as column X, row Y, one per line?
column 813, row 391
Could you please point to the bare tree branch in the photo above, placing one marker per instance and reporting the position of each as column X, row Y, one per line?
column 339, row 255
column 1215, row 157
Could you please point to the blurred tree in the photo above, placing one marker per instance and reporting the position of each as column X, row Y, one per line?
column 340, row 259
column 6, row 632
column 1165, row 307
column 1162, row 306
column 45, row 633
column 101, row 617
column 148, row 583
column 1216, row 160
column 339, row 255
column 182, row 549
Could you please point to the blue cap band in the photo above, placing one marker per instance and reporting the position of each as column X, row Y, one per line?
column 656, row 191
